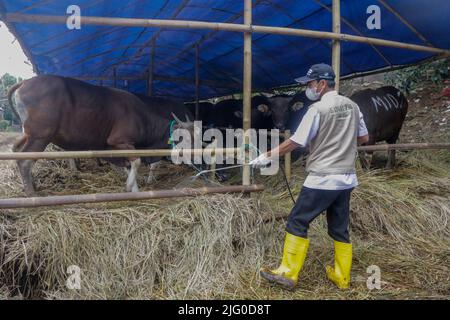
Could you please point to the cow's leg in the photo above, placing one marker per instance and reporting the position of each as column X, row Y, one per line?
column 151, row 174
column 25, row 166
column 132, row 185
column 72, row 165
column 131, row 167
column 391, row 159
column 19, row 143
column 391, row 154
column 365, row 164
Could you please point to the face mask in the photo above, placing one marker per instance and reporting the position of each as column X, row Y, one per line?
column 312, row 94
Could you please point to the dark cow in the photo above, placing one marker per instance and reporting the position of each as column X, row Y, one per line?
column 206, row 114
column 384, row 111
column 287, row 112
column 75, row 115
column 229, row 113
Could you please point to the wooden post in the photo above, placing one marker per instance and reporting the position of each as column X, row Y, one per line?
column 151, row 71
column 287, row 158
column 336, row 54
column 247, row 89
column 197, row 81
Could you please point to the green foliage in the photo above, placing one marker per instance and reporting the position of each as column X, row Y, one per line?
column 4, row 124
column 408, row 79
column 7, row 81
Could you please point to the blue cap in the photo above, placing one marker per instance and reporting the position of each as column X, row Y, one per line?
column 318, row 72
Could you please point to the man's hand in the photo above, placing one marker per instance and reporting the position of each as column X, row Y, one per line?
column 261, row 162
column 363, row 139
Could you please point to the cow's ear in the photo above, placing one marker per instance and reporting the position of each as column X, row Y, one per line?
column 297, row 106
column 238, row 114
column 264, row 108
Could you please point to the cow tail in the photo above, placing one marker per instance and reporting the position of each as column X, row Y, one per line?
column 11, row 103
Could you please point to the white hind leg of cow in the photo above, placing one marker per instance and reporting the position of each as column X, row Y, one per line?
column 152, row 175
column 132, row 185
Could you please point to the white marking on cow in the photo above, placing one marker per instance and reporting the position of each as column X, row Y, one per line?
column 388, row 102
column 21, row 109
column 132, row 185
column 151, row 175
column 394, row 101
column 377, row 101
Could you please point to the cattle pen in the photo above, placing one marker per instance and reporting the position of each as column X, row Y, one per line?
column 248, row 29
column 182, row 238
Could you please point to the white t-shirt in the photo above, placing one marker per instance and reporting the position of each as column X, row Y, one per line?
column 307, row 130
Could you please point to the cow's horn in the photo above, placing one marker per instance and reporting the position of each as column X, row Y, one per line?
column 176, row 118
column 187, row 118
column 180, row 123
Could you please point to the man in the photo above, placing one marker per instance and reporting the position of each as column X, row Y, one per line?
column 332, row 128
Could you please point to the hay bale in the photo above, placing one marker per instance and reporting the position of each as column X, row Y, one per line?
column 212, row 247
column 195, row 248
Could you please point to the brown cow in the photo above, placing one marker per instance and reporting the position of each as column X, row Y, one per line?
column 75, row 115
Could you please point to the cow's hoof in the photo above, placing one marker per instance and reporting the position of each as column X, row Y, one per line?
column 30, row 193
column 133, row 188
column 151, row 179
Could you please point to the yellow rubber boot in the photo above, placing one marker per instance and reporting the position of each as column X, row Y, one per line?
column 294, row 255
column 340, row 273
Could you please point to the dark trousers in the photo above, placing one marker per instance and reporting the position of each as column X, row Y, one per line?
column 312, row 202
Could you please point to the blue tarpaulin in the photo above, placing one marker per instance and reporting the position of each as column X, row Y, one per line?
column 95, row 51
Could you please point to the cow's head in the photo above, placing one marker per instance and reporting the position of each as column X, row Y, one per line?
column 280, row 110
column 260, row 110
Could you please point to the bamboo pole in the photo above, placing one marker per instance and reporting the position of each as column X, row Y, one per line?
column 336, row 53
column 219, row 26
column 287, row 158
column 110, row 154
column 405, row 146
column 166, row 152
column 113, row 197
column 247, row 90
column 151, row 70
column 197, row 82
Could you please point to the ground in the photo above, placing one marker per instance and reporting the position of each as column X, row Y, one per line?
column 212, row 247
